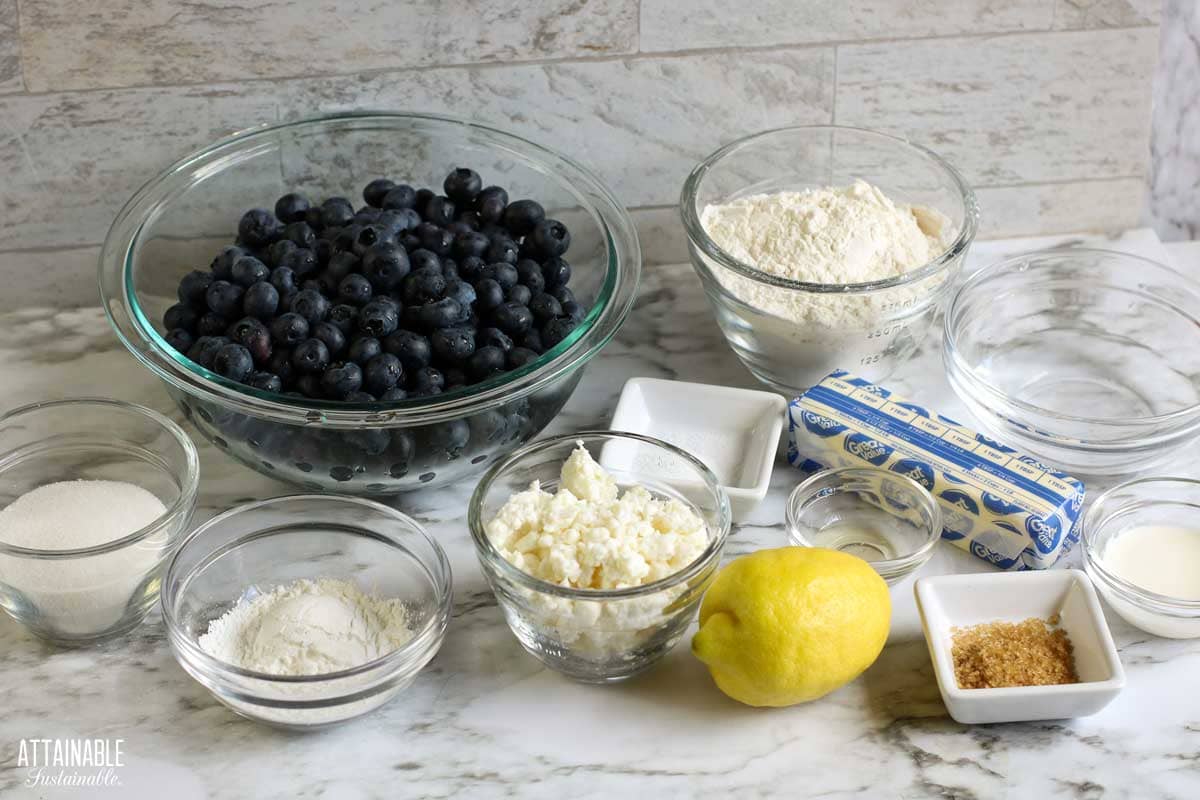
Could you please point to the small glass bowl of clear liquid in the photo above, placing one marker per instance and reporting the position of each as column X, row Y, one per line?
column 886, row 519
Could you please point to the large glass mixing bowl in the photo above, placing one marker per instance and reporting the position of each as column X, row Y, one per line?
column 1087, row 359
column 179, row 220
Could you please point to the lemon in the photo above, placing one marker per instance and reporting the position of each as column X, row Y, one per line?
column 780, row 627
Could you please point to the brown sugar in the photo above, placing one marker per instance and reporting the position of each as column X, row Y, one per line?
column 996, row 654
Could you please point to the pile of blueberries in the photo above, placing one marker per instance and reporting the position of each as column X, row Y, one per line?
column 411, row 295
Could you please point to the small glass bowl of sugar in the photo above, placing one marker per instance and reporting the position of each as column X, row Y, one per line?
column 94, row 495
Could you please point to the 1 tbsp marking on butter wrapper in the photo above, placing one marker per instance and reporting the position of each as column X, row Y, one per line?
column 1004, row 507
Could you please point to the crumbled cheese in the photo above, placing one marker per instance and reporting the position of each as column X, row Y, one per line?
column 588, row 535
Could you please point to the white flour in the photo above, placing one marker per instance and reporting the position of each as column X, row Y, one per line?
column 836, row 235
column 86, row 595
column 308, row 628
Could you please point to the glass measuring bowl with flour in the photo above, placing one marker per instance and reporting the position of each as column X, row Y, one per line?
column 825, row 247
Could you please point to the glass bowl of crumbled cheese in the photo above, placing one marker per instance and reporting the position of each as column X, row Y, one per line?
column 826, row 247
column 306, row 611
column 599, row 546
column 94, row 495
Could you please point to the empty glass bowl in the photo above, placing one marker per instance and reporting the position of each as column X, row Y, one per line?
column 886, row 519
column 790, row 333
column 1173, row 502
column 258, row 546
column 81, row 596
column 1087, row 359
column 598, row 636
column 180, row 220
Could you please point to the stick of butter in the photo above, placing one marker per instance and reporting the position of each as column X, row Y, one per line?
column 997, row 504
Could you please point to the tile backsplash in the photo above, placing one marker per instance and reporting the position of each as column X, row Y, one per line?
column 1043, row 104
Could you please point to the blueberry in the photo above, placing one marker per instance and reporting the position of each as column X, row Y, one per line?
column 278, row 251
column 291, row 207
column 331, row 335
column 485, row 362
column 309, row 385
column 441, row 314
column 363, row 349
column 280, row 363
column 400, row 196
column 502, row 273
column 311, row 305
column 382, row 373
column 367, row 215
column 180, row 315
column 439, row 210
column 392, row 395
column 449, row 269
column 461, row 226
column 452, row 344
column 233, row 361
column 489, row 294
column 368, row 236
column 529, row 273
column 374, row 192
column 315, row 218
column 258, row 227
column 310, row 356
column 261, row 300
column 493, row 337
column 424, row 286
column 461, row 291
column 254, row 336
column 562, row 294
column 556, row 330
column 462, row 185
column 248, row 270
column 336, row 212
column 301, row 261
column 340, row 265
column 519, row 294
column 211, row 324
column 520, row 356
column 284, row 280
column 340, row 379
column 344, row 316
column 522, row 216
column 455, row 378
column 364, row 397
column 205, row 348
column 180, row 339
column 574, row 310
column 384, row 266
column 421, row 200
column 301, row 234
column 544, row 306
column 551, row 238
column 378, row 319
column 265, row 382
column 513, row 318
column 289, row 329
column 354, row 289
column 424, row 259
column 490, row 204
column 556, row 272
column 470, row 268
column 412, row 349
column 450, row 438
column 435, row 239
column 222, row 265
column 224, row 298
column 501, row 249
column 532, row 340
column 427, row 380
column 193, row 287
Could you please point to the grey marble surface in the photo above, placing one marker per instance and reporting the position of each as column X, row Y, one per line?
column 484, row 720
column 1173, row 206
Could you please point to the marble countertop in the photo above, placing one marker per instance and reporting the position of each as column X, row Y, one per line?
column 485, row 720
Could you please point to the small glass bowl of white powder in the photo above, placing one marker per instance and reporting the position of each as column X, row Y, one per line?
column 308, row 610
column 94, row 495
column 598, row 546
column 825, row 247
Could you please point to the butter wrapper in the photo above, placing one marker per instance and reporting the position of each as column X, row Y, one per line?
column 1006, row 508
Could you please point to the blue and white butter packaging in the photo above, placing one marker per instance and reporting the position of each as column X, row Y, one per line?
column 1004, row 507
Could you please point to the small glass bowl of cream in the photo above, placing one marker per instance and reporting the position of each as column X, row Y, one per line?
column 887, row 519
column 1141, row 547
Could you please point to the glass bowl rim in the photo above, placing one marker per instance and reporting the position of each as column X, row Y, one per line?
column 422, row 641
column 182, row 505
column 700, row 239
column 892, row 566
column 1146, row 599
column 496, row 562
column 617, row 292
column 952, row 353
